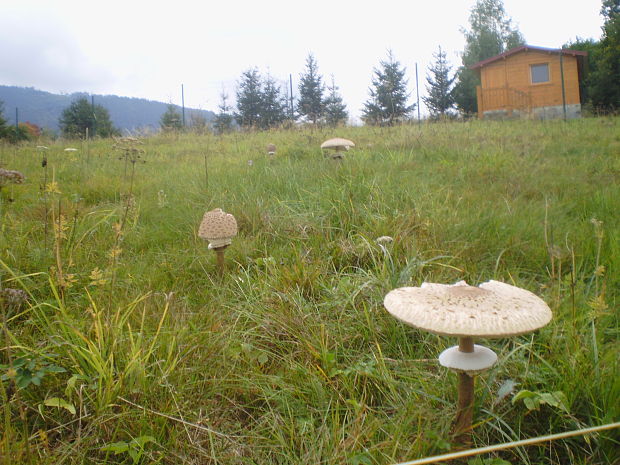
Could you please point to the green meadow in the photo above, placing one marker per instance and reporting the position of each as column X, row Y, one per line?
column 132, row 349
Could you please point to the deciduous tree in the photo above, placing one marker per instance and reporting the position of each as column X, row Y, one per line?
column 3, row 124
column 605, row 79
column 81, row 115
column 491, row 33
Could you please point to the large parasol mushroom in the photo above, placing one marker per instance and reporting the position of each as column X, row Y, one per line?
column 218, row 227
column 492, row 310
column 338, row 145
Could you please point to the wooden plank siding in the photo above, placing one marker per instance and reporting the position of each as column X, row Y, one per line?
column 506, row 83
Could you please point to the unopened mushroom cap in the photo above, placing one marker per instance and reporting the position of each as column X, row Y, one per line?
column 217, row 224
column 337, row 142
column 493, row 309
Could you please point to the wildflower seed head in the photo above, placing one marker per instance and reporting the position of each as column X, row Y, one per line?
column 11, row 176
column 14, row 298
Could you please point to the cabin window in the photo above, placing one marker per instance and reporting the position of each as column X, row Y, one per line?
column 540, row 73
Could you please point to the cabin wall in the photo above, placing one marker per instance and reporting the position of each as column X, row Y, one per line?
column 506, row 86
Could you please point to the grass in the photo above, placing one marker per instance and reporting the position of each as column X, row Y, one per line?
column 290, row 357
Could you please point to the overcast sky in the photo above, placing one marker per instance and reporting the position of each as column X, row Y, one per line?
column 145, row 48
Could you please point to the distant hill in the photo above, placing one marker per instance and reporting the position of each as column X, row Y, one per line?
column 44, row 108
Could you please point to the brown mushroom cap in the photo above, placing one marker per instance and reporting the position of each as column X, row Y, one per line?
column 337, row 143
column 494, row 309
column 217, row 224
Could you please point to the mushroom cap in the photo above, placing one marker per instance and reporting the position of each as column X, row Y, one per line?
column 217, row 224
column 493, row 309
column 271, row 148
column 337, row 143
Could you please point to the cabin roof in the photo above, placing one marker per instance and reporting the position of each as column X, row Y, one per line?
column 525, row 48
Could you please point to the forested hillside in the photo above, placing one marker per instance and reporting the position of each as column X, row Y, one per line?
column 44, row 108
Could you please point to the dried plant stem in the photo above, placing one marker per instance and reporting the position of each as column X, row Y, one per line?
column 510, row 445
column 45, row 200
column 206, row 173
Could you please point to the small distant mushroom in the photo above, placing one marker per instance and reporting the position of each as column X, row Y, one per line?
column 218, row 227
column 492, row 310
column 271, row 150
column 338, row 145
column 71, row 149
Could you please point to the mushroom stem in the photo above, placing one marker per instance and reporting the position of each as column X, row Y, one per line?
column 466, row 344
column 465, row 404
column 465, row 409
column 219, row 254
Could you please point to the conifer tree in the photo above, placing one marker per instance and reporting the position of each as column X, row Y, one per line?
column 440, row 99
column 223, row 121
column 273, row 104
column 311, row 89
column 335, row 109
column 171, row 119
column 490, row 34
column 388, row 95
column 249, row 99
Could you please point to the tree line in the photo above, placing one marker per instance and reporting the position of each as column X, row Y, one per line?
column 262, row 103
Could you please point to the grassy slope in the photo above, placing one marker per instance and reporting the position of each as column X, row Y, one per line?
column 291, row 358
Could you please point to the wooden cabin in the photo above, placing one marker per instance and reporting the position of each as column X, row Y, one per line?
column 530, row 81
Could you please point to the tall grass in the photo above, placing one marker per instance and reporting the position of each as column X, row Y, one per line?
column 290, row 357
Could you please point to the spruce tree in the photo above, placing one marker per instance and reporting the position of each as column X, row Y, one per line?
column 490, row 34
column 311, row 89
column 335, row 109
column 388, row 95
column 171, row 119
column 223, row 121
column 249, row 99
column 273, row 104
column 440, row 99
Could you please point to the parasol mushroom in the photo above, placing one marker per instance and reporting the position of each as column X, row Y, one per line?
column 492, row 310
column 271, row 150
column 218, row 227
column 338, row 145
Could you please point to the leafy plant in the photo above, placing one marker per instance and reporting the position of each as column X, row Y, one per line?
column 534, row 399
column 27, row 370
column 134, row 448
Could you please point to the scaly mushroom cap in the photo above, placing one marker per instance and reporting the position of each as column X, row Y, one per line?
column 218, row 227
column 337, row 143
column 271, row 149
column 494, row 309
